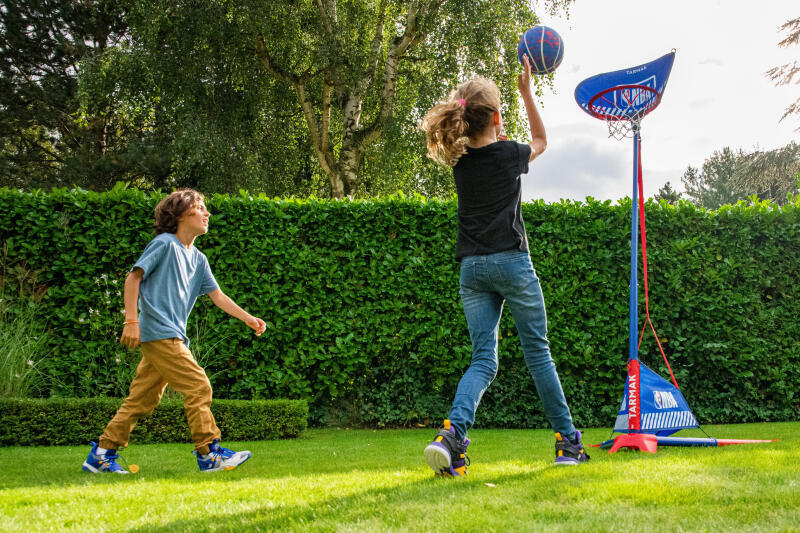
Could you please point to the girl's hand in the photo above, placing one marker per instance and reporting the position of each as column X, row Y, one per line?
column 130, row 335
column 524, row 79
column 256, row 324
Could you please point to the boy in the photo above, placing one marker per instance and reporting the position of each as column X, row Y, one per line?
column 165, row 282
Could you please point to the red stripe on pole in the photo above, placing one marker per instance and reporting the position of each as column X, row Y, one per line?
column 634, row 395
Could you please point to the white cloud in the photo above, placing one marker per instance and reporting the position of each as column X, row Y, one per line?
column 712, row 61
column 576, row 168
column 717, row 95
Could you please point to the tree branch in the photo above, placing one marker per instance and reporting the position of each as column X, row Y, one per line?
column 263, row 54
column 414, row 33
column 327, row 88
column 320, row 145
column 327, row 23
column 377, row 40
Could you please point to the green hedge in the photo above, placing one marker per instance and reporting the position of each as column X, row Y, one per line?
column 364, row 321
column 68, row 421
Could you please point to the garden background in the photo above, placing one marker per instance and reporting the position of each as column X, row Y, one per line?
column 361, row 303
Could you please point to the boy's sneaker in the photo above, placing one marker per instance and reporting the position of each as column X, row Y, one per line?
column 106, row 462
column 569, row 453
column 219, row 458
column 446, row 455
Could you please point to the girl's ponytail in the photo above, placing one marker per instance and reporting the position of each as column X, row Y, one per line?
column 446, row 130
column 466, row 113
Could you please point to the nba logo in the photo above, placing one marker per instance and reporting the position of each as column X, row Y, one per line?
column 664, row 400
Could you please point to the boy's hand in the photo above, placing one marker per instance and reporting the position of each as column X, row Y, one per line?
column 130, row 336
column 256, row 324
column 524, row 79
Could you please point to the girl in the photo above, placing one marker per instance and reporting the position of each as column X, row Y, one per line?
column 465, row 132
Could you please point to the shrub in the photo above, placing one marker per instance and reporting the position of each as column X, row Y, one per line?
column 71, row 421
column 362, row 309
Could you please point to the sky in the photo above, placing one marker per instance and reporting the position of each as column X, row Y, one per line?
column 717, row 94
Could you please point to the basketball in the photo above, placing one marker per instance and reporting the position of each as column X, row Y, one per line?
column 544, row 48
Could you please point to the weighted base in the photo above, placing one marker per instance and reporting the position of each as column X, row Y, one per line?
column 639, row 441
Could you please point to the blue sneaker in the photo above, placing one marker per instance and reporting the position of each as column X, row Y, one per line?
column 446, row 455
column 219, row 458
column 570, row 453
column 107, row 462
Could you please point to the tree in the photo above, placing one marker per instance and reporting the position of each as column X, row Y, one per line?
column 42, row 47
column 784, row 74
column 361, row 73
column 713, row 186
column 772, row 175
column 729, row 176
column 668, row 194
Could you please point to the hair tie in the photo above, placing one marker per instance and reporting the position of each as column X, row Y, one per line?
column 462, row 102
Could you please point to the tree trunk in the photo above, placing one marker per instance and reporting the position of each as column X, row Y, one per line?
column 349, row 163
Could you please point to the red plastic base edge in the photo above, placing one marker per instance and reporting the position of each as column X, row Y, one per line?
column 639, row 441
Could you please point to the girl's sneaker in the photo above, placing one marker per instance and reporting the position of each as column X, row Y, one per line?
column 446, row 455
column 100, row 463
column 219, row 458
column 570, row 453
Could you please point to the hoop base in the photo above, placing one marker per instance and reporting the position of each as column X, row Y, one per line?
column 644, row 442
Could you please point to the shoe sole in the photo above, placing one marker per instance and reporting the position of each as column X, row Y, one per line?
column 89, row 468
column 566, row 463
column 438, row 458
column 228, row 467
column 92, row 470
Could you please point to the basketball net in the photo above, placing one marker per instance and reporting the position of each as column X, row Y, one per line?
column 621, row 128
column 623, row 108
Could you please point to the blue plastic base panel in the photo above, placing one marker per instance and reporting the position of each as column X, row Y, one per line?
column 687, row 441
column 672, row 441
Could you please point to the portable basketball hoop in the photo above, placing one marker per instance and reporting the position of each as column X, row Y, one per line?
column 652, row 408
column 623, row 107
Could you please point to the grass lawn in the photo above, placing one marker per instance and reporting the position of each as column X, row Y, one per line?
column 362, row 480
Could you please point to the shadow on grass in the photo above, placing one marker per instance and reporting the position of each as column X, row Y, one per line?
column 357, row 508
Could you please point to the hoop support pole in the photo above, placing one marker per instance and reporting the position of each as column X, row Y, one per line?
column 633, row 351
column 634, row 389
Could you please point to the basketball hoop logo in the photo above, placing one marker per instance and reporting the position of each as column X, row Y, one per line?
column 664, row 400
column 637, row 96
column 622, row 98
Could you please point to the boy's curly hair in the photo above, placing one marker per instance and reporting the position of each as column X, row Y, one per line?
column 171, row 208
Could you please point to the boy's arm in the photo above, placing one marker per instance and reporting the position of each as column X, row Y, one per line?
column 538, row 135
column 130, row 331
column 222, row 301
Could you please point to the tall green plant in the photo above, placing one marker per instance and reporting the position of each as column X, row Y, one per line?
column 22, row 341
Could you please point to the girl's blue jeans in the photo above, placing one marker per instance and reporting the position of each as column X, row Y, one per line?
column 487, row 281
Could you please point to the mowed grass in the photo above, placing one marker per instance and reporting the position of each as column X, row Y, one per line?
column 362, row 480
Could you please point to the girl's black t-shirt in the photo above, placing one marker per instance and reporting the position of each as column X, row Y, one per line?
column 489, row 196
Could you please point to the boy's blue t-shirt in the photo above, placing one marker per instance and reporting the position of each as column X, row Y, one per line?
column 174, row 277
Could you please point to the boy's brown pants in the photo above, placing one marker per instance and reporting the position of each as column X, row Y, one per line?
column 166, row 361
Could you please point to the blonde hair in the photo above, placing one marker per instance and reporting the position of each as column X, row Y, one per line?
column 466, row 113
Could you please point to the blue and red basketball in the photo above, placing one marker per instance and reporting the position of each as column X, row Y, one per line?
column 544, row 48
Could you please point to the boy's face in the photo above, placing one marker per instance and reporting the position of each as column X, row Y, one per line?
column 195, row 219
